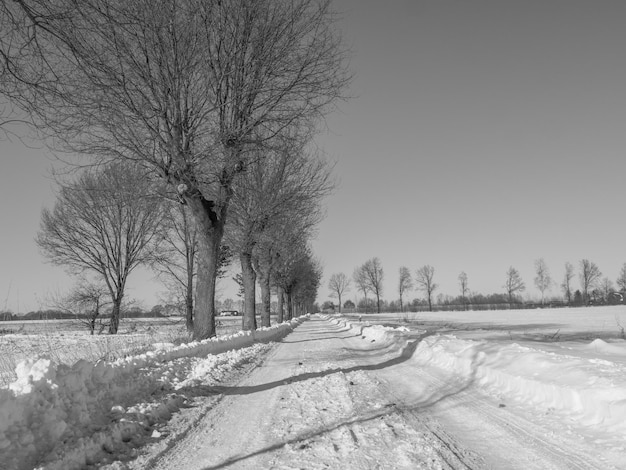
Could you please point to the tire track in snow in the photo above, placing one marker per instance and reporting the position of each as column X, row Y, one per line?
column 350, row 422
column 506, row 439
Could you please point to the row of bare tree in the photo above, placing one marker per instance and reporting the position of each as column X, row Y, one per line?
column 199, row 94
column 369, row 277
column 112, row 219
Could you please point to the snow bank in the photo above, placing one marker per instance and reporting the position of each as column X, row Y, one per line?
column 589, row 390
column 384, row 335
column 585, row 388
column 603, row 347
column 50, row 404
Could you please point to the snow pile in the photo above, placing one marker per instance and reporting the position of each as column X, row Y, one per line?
column 382, row 333
column 373, row 333
column 50, row 405
column 589, row 390
column 602, row 347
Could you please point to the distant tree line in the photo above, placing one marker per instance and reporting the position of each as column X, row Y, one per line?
column 594, row 290
column 63, row 314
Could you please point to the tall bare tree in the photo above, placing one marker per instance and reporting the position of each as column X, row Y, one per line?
column 274, row 257
column 424, row 281
column 287, row 186
column 590, row 276
column 187, row 89
column 338, row 285
column 566, row 285
column 405, row 283
column 174, row 258
column 360, row 280
column 103, row 223
column 267, row 259
column 464, row 287
column 298, row 274
column 373, row 273
column 514, row 283
column 305, row 292
column 543, row 280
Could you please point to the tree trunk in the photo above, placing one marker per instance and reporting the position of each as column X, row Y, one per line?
column 115, row 315
column 263, row 272
column 289, row 306
column 210, row 233
column 266, row 298
column 249, row 292
column 189, row 302
column 339, row 295
column 281, row 301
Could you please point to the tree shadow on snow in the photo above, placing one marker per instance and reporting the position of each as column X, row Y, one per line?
column 304, row 436
column 350, row 334
column 404, row 355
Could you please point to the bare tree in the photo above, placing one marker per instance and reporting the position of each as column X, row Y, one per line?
column 267, row 256
column 174, row 257
column 424, row 281
column 361, row 281
column 298, row 274
column 607, row 288
column 543, row 281
column 405, row 283
column 566, row 286
column 621, row 279
column 87, row 301
column 263, row 260
column 374, row 274
column 104, row 223
column 187, row 89
column 464, row 288
column 296, row 204
column 286, row 186
column 338, row 285
column 274, row 258
column 307, row 285
column 589, row 278
column 514, row 283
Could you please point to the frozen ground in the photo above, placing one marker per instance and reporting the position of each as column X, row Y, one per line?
column 501, row 389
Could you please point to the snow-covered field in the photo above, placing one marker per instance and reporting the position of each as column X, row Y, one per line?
column 67, row 341
column 417, row 391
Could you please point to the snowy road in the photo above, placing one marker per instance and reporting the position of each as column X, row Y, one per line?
column 327, row 397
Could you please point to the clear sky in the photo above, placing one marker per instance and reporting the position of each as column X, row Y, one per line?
column 481, row 135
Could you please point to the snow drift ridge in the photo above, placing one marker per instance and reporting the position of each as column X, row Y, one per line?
column 589, row 391
column 49, row 403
